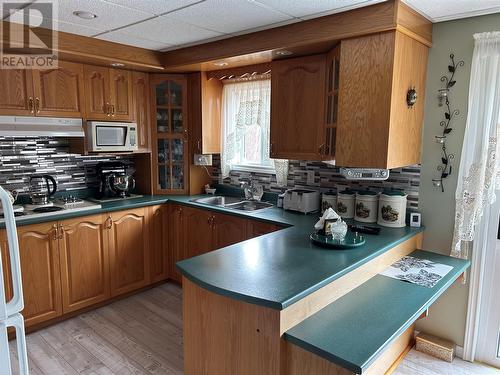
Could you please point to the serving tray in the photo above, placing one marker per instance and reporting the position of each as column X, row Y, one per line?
column 351, row 240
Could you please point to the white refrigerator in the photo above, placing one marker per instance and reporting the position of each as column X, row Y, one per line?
column 10, row 310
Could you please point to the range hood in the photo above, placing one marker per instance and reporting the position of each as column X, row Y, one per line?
column 26, row 126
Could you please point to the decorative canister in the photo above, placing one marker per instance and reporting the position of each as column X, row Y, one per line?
column 392, row 209
column 366, row 209
column 328, row 200
column 345, row 203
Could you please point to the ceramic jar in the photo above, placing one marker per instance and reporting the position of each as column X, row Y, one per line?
column 328, row 200
column 366, row 209
column 392, row 209
column 345, row 204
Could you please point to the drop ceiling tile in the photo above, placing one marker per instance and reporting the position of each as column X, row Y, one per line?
column 304, row 8
column 109, row 16
column 444, row 10
column 117, row 37
column 155, row 6
column 229, row 16
column 169, row 31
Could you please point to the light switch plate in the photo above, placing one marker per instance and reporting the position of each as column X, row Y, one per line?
column 202, row 159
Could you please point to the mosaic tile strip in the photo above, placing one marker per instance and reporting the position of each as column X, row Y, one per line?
column 328, row 178
column 22, row 157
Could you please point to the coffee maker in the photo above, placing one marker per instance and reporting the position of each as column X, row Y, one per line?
column 114, row 181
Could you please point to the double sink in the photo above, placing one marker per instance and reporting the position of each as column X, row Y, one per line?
column 233, row 203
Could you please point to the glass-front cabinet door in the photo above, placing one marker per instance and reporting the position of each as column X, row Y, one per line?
column 170, row 134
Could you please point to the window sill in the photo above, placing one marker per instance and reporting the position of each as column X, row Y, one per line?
column 252, row 168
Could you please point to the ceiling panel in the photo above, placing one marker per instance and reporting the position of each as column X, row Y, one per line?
column 169, row 31
column 229, row 16
column 155, row 6
column 109, row 16
column 304, row 8
column 443, row 10
column 117, row 37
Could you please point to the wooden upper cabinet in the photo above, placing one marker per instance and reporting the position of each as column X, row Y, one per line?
column 16, row 93
column 228, row 230
column 297, row 108
column 158, row 243
column 141, row 108
column 59, row 92
column 128, row 250
column 332, row 102
column 97, row 98
column 39, row 254
column 198, row 234
column 84, row 260
column 376, row 128
column 121, row 94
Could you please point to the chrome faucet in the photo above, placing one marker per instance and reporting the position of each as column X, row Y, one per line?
column 247, row 188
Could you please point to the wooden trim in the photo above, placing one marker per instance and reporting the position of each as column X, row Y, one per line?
column 314, row 302
column 376, row 18
column 77, row 48
column 238, row 71
column 400, row 359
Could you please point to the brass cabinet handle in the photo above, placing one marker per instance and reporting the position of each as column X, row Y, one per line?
column 54, row 232
column 109, row 221
column 61, row 232
column 108, row 109
column 30, row 105
column 212, row 221
column 113, row 110
column 37, row 105
column 198, row 145
column 179, row 211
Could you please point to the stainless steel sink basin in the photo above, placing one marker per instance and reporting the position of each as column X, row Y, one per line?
column 250, row 206
column 233, row 203
column 218, row 200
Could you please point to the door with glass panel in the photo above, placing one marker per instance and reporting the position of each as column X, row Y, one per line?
column 170, row 134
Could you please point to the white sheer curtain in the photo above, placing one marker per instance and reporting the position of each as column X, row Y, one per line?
column 478, row 165
column 245, row 114
column 246, row 108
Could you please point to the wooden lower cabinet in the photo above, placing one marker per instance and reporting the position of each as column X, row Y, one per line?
column 40, row 267
column 259, row 228
column 128, row 250
column 158, row 244
column 5, row 259
column 228, row 230
column 84, row 259
column 197, row 231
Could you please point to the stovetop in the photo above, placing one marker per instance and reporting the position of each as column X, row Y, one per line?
column 66, row 204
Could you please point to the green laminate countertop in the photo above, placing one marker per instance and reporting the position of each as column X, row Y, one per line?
column 356, row 328
column 280, row 268
column 125, row 204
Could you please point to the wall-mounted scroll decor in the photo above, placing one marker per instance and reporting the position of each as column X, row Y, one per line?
column 444, row 168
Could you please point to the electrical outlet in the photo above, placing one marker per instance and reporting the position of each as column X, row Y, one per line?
column 310, row 177
column 201, row 159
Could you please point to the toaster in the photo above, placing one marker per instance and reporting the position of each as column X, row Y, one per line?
column 301, row 200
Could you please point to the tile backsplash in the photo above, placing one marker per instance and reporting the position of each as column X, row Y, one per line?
column 327, row 177
column 24, row 156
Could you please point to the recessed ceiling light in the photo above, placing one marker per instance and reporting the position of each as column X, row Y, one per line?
column 284, row 53
column 117, row 65
column 221, row 63
column 85, row 15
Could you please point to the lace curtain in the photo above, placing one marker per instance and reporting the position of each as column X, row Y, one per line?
column 246, row 110
column 479, row 167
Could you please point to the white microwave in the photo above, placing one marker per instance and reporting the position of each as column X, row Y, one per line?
column 106, row 136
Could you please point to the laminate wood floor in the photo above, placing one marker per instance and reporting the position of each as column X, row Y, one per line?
column 142, row 334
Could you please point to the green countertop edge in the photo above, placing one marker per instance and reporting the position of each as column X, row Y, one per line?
column 144, row 201
column 290, row 301
column 358, row 368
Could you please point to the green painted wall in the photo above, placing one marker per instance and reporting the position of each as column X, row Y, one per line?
column 448, row 314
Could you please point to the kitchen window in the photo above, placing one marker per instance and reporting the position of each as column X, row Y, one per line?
column 246, row 107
